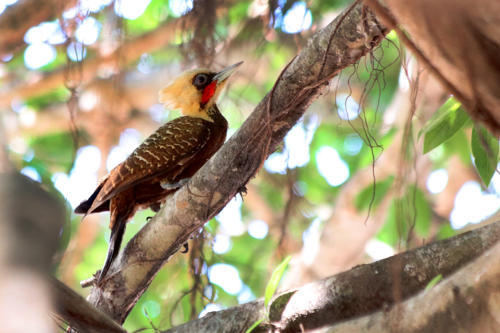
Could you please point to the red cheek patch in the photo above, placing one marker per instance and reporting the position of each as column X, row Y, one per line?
column 208, row 92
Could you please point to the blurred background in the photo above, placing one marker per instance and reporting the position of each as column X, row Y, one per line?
column 349, row 185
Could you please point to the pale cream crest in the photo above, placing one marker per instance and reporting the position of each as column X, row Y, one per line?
column 181, row 94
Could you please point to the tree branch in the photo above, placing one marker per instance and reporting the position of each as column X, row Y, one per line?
column 18, row 18
column 374, row 287
column 126, row 53
column 458, row 41
column 31, row 221
column 342, row 43
column 465, row 302
column 78, row 313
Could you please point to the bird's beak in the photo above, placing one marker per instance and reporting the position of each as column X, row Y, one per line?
column 224, row 74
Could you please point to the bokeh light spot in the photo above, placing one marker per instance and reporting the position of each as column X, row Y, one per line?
column 180, row 7
column 378, row 250
column 38, row 55
column 131, row 9
column 230, row 218
column 5, row 3
column 331, row 166
column 222, row 244
column 258, row 229
column 151, row 309
column 45, row 31
column 353, row 144
column 88, row 31
column 437, row 181
column 472, row 205
column 76, row 51
column 347, row 107
column 210, row 307
column 298, row 18
column 227, row 277
column 31, row 172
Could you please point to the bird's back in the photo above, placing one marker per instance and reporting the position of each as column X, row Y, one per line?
column 175, row 151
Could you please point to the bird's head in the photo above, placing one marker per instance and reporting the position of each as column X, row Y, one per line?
column 195, row 91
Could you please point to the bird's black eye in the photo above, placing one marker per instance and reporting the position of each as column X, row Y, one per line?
column 200, row 80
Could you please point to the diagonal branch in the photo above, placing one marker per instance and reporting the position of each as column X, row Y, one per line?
column 342, row 43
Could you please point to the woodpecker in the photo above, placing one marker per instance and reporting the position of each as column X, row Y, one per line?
column 167, row 158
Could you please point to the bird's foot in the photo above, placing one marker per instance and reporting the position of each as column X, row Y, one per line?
column 242, row 190
column 155, row 207
column 174, row 186
column 185, row 248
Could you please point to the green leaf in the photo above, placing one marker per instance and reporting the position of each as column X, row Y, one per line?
column 366, row 196
column 275, row 279
column 412, row 209
column 389, row 231
column 449, row 118
column 433, row 282
column 55, row 96
column 485, row 151
column 254, row 325
column 458, row 145
column 55, row 150
column 446, row 231
column 151, row 309
column 422, row 210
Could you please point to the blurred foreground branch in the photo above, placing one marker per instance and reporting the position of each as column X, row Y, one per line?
column 466, row 301
column 31, row 220
column 343, row 42
column 75, row 311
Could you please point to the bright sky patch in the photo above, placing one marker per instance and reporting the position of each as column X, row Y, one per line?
column 131, row 9
column 437, row 181
column 331, row 166
column 227, row 277
column 38, row 55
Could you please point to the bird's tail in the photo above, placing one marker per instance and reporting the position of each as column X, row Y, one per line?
column 115, row 241
column 84, row 206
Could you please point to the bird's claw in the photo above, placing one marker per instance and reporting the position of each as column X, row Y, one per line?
column 174, row 186
column 185, row 248
column 242, row 190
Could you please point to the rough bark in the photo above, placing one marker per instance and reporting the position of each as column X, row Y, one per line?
column 459, row 42
column 468, row 301
column 375, row 287
column 340, row 44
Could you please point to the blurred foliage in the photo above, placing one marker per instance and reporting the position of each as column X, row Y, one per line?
column 372, row 84
column 449, row 119
column 485, row 151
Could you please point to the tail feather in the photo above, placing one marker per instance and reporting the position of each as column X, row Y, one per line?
column 114, row 246
column 83, row 208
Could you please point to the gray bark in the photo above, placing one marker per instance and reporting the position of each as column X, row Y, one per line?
column 471, row 284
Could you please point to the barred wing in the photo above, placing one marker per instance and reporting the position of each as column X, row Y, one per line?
column 172, row 146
